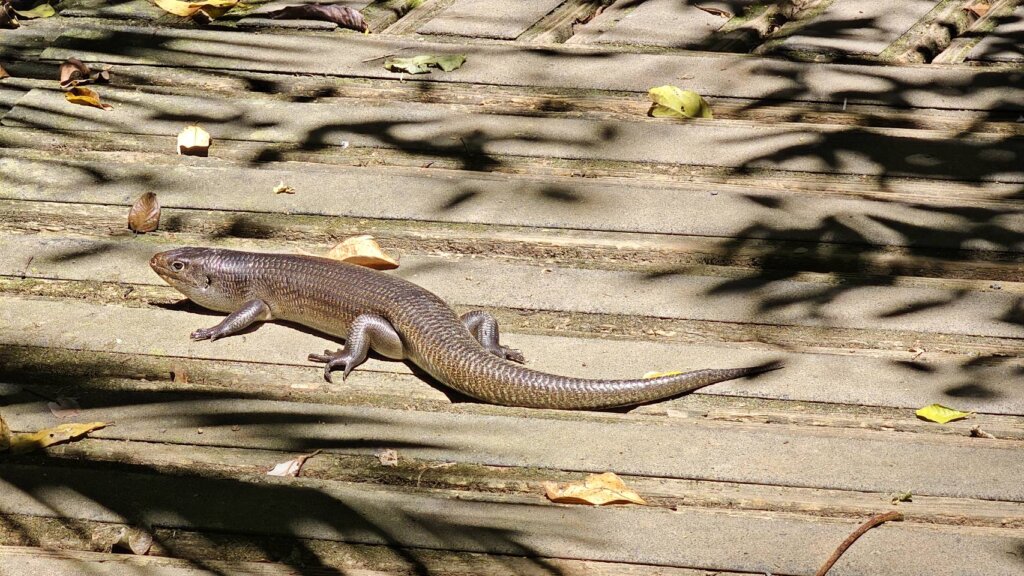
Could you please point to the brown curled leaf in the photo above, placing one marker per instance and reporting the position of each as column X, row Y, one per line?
column 145, row 214
column 64, row 407
column 73, row 72
column 210, row 9
column 341, row 15
column 8, row 17
column 5, row 435
column 363, row 251
column 86, row 97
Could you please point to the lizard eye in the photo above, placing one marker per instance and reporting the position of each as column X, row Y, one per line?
column 178, row 265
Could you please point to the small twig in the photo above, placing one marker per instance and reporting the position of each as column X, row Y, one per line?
column 871, row 523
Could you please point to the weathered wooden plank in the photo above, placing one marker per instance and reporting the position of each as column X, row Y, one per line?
column 711, row 75
column 433, row 130
column 673, row 493
column 517, row 526
column 697, row 209
column 31, row 561
column 903, row 304
column 883, row 380
column 842, row 459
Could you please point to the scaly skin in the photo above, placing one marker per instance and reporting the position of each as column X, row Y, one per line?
column 397, row 319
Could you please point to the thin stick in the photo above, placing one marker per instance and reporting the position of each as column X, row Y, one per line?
column 871, row 523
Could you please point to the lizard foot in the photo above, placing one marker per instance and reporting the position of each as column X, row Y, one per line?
column 333, row 360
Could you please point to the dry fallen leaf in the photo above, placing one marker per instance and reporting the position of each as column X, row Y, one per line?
column 74, row 72
column 134, row 540
column 3, row 73
column 64, row 407
column 364, row 251
column 8, row 18
column 341, row 15
column 387, row 457
column 86, row 97
column 422, row 64
column 5, row 435
column 291, row 467
column 941, row 414
column 43, row 10
column 979, row 9
column 145, row 214
column 22, row 443
column 897, row 497
column 283, row 188
column 714, row 11
column 194, row 141
column 597, row 489
column 210, row 9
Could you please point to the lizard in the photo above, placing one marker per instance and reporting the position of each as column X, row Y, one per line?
column 397, row 319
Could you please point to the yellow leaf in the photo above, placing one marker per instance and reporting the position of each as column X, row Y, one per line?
column 5, row 435
column 194, row 141
column 364, row 251
column 212, row 8
column 660, row 374
column 941, row 414
column 21, row 443
column 86, row 97
column 597, row 489
column 676, row 102
column 40, row 11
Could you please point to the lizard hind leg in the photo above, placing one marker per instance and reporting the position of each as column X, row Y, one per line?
column 368, row 332
column 484, row 328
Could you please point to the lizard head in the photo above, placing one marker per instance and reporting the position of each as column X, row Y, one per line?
column 192, row 271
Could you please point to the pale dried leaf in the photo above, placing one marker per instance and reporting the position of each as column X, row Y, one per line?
column 283, row 188
column 596, row 489
column 363, row 251
column 897, row 497
column 291, row 467
column 86, row 97
column 979, row 9
column 211, row 8
column 145, row 214
column 8, row 18
column 134, row 540
column 194, row 141
column 64, row 407
column 387, row 457
column 21, row 443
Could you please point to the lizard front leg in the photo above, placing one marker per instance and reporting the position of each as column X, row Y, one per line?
column 484, row 328
column 368, row 332
column 251, row 311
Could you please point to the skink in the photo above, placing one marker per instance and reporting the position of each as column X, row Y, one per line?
column 395, row 318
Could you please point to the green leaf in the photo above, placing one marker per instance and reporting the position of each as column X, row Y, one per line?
column 422, row 64
column 41, row 11
column 941, row 414
column 674, row 102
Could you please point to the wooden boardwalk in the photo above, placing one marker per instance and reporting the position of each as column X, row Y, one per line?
column 855, row 209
